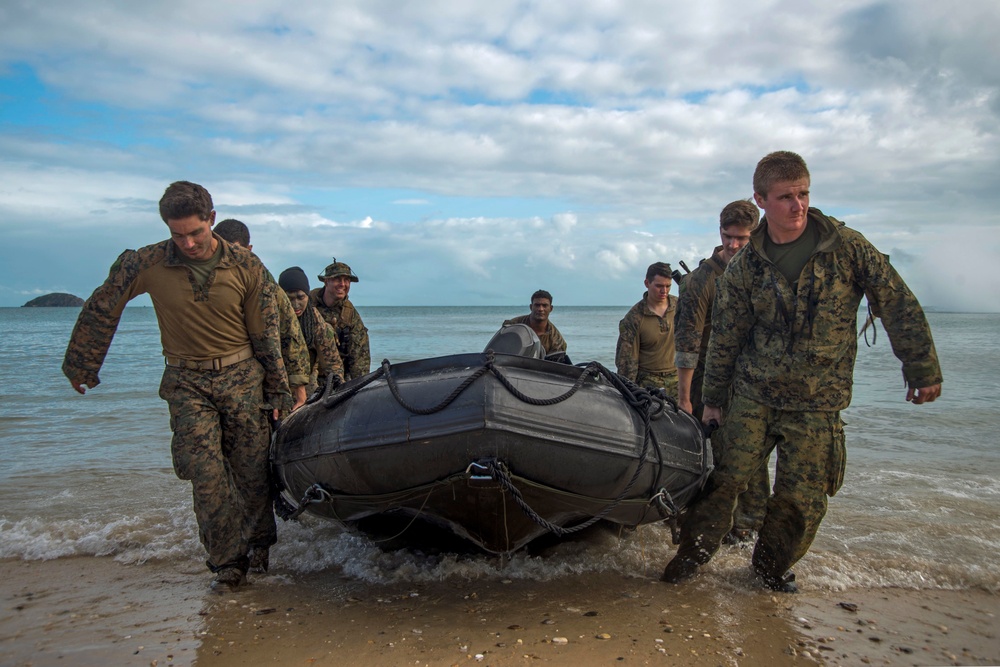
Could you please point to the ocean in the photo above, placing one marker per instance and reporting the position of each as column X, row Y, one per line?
column 90, row 476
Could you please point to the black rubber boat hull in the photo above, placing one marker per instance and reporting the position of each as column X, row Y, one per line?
column 364, row 456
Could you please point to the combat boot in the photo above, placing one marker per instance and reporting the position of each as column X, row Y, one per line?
column 679, row 569
column 783, row 584
column 259, row 559
column 228, row 579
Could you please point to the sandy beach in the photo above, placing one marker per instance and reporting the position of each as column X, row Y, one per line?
column 95, row 611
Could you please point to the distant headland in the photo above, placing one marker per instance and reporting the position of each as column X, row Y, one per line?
column 55, row 300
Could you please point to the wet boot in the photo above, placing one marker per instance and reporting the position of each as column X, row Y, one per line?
column 228, row 579
column 679, row 569
column 740, row 536
column 783, row 584
column 771, row 570
column 259, row 559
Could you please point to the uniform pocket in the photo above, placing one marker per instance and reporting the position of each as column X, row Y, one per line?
column 837, row 461
column 180, row 456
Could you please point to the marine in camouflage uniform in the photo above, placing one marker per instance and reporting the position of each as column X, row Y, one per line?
column 339, row 312
column 322, row 341
column 693, row 323
column 551, row 340
column 788, row 352
column 320, row 338
column 224, row 374
column 645, row 350
column 294, row 346
column 694, row 327
column 294, row 352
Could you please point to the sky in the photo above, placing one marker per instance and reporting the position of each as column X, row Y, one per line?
column 469, row 153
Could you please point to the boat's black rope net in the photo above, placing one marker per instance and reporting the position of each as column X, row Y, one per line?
column 650, row 404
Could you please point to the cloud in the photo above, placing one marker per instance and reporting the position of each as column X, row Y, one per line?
column 490, row 146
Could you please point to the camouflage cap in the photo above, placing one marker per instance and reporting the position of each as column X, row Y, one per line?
column 338, row 269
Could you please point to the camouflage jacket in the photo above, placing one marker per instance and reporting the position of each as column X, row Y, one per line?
column 322, row 342
column 294, row 350
column 232, row 310
column 352, row 336
column 795, row 350
column 646, row 340
column 694, row 311
column 551, row 340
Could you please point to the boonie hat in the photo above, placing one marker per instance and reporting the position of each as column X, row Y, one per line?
column 338, row 269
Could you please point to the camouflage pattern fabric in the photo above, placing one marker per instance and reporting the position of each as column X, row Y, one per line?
column 220, row 443
column 665, row 381
column 811, row 461
column 693, row 324
column 787, row 356
column 694, row 328
column 156, row 269
column 323, row 352
column 632, row 345
column 218, row 417
column 751, row 505
column 352, row 336
column 796, row 349
column 294, row 350
column 551, row 340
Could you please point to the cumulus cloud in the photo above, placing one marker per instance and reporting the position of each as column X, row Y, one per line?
column 491, row 145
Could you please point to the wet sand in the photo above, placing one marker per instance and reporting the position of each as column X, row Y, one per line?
column 94, row 611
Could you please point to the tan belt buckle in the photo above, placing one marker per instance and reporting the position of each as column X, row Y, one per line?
column 217, row 364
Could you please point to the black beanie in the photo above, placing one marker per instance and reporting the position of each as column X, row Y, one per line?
column 294, row 279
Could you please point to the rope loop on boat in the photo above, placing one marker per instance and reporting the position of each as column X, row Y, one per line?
column 524, row 398
column 499, row 472
column 456, row 392
column 314, row 494
column 336, row 399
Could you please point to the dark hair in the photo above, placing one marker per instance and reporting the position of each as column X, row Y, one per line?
column 541, row 294
column 184, row 199
column 658, row 269
column 776, row 167
column 234, row 231
column 740, row 213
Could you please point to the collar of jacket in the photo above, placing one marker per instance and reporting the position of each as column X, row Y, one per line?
column 227, row 260
column 644, row 305
column 716, row 261
column 829, row 233
column 321, row 304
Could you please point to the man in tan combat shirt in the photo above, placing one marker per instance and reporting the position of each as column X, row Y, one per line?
column 224, row 374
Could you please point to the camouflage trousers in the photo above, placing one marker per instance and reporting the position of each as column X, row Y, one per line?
column 220, row 443
column 810, row 467
column 750, row 506
column 752, row 503
column 665, row 381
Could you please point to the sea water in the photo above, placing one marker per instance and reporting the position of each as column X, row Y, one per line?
column 90, row 476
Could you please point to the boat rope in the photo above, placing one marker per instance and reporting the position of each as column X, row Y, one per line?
column 665, row 503
column 314, row 494
column 456, row 392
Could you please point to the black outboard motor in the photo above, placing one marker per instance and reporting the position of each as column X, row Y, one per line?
column 517, row 339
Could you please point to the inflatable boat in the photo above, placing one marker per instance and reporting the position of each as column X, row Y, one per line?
column 496, row 448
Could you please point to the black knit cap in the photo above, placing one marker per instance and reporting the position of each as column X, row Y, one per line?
column 293, row 279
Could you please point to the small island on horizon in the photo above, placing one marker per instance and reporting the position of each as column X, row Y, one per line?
column 55, row 300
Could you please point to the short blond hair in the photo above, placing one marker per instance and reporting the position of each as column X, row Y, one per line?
column 776, row 167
